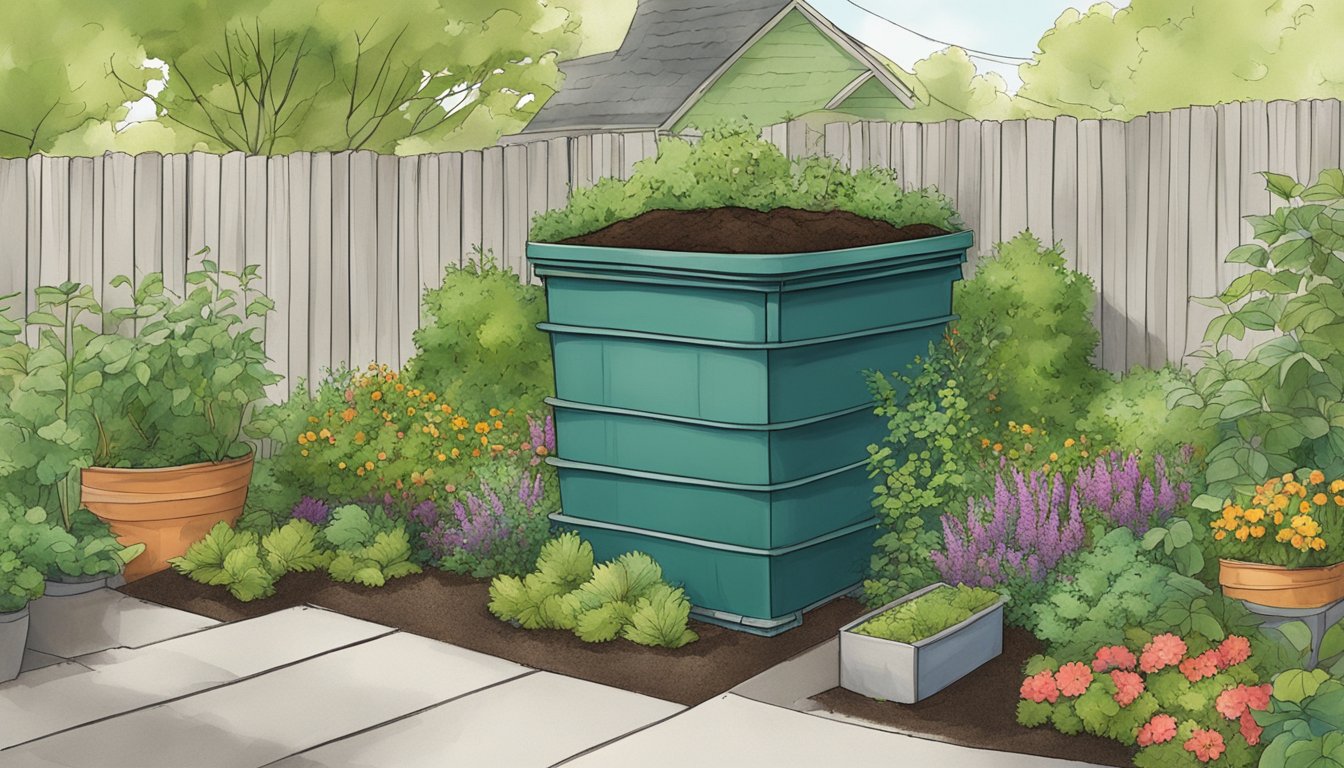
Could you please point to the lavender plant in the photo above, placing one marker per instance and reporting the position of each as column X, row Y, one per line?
column 312, row 510
column 487, row 533
column 1013, row 540
column 1124, row 495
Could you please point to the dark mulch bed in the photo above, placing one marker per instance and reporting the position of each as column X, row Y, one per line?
column 453, row 609
column 980, row 710
column 742, row 230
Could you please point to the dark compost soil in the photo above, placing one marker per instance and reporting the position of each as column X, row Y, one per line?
column 742, row 230
column 453, row 609
column 980, row 710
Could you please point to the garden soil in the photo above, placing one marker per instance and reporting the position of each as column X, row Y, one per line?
column 980, row 710
column 742, row 230
column 453, row 609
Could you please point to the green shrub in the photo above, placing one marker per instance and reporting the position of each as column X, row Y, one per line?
column 230, row 559
column 20, row 583
column 625, row 597
column 478, row 347
column 1304, row 721
column 87, row 548
column 928, row 614
column 1133, row 414
column 925, row 464
column 1042, row 311
column 371, row 549
column 732, row 166
column 1279, row 407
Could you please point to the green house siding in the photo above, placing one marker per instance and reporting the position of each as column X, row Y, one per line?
column 794, row 68
column 872, row 101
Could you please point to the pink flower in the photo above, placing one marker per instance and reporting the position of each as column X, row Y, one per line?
column 1202, row 666
column 1073, row 678
column 1206, row 743
column 1128, row 686
column 1162, row 652
column 1159, row 730
column 1040, row 687
column 1113, row 657
column 1250, row 730
column 1233, row 650
column 1235, row 702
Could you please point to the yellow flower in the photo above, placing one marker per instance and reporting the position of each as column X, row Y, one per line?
column 1318, row 544
column 368, row 465
column 1278, row 517
column 1316, row 476
column 1257, row 531
column 382, row 455
column 1339, row 500
column 1304, row 507
column 494, row 412
column 1337, row 486
column 341, row 465
column 1012, row 426
column 304, row 452
column 1284, row 535
column 441, row 456
column 1083, row 454
column 984, row 442
column 410, row 411
column 311, row 437
column 303, row 439
column 485, row 440
column 1027, row 429
column 348, row 414
column 998, row 447
column 1242, row 533
column 360, row 438
column 1280, row 501
column 1068, row 443
column 1287, row 477
column 1220, row 535
column 499, row 424
column 455, row 453
column 1255, row 515
column 482, row 427
column 401, row 387
column 377, row 395
column 360, row 471
column 324, row 434
column 1298, row 542
column 312, row 419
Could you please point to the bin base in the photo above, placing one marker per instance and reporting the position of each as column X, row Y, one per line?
column 765, row 627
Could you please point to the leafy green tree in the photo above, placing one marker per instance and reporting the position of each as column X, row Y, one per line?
column 274, row 77
column 1157, row 55
column 947, row 87
column 53, row 72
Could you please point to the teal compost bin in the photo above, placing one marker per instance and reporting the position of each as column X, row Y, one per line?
column 711, row 411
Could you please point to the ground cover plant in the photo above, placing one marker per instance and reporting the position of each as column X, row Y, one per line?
column 928, row 614
column 625, row 597
column 732, row 166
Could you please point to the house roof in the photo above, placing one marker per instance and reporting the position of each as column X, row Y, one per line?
column 675, row 50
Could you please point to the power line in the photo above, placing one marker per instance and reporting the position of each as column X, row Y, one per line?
column 994, row 57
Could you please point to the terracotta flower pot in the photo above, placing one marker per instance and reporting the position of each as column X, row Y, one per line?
column 1280, row 587
column 167, row 508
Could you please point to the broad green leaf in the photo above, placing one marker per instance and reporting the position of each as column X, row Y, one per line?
column 1284, row 187
column 1297, row 684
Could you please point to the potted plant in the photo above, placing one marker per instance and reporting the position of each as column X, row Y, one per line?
column 912, row 648
column 1281, row 547
column 20, row 584
column 183, row 466
column 710, row 320
column 143, row 431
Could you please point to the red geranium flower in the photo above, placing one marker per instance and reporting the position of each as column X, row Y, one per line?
column 1235, row 702
column 1073, row 678
column 1113, row 657
column 1202, row 666
column 1162, row 652
column 1233, row 650
column 1250, row 730
column 1159, row 730
column 1206, row 743
column 1128, row 686
column 1040, row 687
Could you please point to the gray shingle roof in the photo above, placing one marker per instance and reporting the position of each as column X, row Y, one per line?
column 673, row 46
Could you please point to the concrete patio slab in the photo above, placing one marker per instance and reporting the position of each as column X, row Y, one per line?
column 108, row 683
column 37, row 660
column 735, row 731
column 97, row 621
column 481, row 729
column 257, row 721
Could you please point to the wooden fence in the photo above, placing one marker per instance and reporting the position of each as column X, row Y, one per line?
column 348, row 241
column 1147, row 208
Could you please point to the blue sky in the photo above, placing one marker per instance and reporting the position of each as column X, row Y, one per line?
column 1010, row 27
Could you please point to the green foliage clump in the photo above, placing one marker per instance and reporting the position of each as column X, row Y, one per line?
column 625, row 597
column 1114, row 593
column 925, row 464
column 731, row 166
column 1132, row 413
column 370, row 548
column 354, row 547
column 479, row 347
column 87, row 548
column 20, row 583
column 1280, row 406
column 928, row 614
column 1304, row 725
column 1041, row 312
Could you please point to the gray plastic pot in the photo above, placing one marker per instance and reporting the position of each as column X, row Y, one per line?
column 13, row 641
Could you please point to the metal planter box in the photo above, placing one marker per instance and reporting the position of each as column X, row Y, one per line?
column 758, row 516
column 13, row 642
column 738, row 382
column 709, row 450
column 749, row 297
column 764, row 590
column 907, row 673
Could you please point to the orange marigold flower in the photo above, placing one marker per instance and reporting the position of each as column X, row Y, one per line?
column 1319, row 499
column 1316, row 476
column 377, row 395
column 348, row 414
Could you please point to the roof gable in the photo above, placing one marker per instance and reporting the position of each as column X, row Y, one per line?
column 674, row 51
